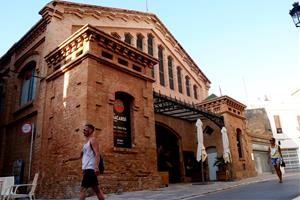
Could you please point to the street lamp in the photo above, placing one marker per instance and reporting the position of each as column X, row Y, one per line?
column 295, row 13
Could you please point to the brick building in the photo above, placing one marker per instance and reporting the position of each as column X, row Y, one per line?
column 239, row 140
column 124, row 72
column 259, row 129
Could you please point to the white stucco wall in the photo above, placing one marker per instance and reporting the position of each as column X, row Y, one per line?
column 287, row 109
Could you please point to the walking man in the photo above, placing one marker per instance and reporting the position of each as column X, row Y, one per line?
column 90, row 159
column 276, row 157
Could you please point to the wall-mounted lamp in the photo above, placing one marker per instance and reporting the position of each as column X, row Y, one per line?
column 295, row 14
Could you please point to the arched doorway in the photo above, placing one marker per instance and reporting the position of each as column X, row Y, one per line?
column 168, row 152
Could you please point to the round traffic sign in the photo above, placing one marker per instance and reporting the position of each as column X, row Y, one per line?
column 26, row 127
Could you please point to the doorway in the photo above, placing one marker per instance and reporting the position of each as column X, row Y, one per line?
column 167, row 144
column 261, row 162
column 211, row 157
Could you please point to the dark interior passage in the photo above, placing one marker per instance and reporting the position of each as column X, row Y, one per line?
column 168, row 153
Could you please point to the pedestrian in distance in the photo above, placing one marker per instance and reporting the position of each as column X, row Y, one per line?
column 90, row 159
column 276, row 157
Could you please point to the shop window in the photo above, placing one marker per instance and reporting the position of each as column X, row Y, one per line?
column 128, row 38
column 139, row 41
column 179, row 79
column 161, row 66
column 122, row 120
column 170, row 69
column 150, row 44
column 277, row 124
column 195, row 91
column 238, row 142
column 28, row 83
column 187, row 84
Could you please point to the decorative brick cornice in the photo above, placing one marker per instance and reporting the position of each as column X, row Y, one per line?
column 231, row 105
column 225, row 99
column 30, row 37
column 49, row 11
column 125, row 50
column 76, row 42
column 58, row 56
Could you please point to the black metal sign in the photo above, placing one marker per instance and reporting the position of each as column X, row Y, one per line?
column 122, row 130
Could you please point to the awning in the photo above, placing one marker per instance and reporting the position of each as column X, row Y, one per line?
column 176, row 108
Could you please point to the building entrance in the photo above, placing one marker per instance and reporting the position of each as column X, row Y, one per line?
column 168, row 152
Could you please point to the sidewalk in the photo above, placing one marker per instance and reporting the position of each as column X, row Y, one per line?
column 186, row 191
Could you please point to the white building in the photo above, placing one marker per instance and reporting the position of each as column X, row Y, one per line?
column 284, row 116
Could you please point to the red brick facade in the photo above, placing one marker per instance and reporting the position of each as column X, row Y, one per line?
column 81, row 70
column 92, row 82
column 234, row 119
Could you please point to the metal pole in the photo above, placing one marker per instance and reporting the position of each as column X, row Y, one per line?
column 30, row 154
column 202, row 175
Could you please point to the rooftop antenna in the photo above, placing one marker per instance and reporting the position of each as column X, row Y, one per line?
column 220, row 91
column 147, row 5
column 245, row 88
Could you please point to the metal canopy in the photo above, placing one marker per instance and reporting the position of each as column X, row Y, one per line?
column 175, row 108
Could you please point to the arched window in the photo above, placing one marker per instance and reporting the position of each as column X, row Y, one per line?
column 179, row 79
column 187, row 84
column 128, row 38
column 170, row 70
column 195, row 91
column 161, row 65
column 150, row 49
column 139, row 41
column 238, row 142
column 122, row 120
column 150, row 44
column 28, row 83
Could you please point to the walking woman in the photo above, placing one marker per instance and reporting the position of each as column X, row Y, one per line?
column 276, row 157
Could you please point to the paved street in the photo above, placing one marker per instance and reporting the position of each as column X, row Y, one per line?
column 264, row 190
column 261, row 185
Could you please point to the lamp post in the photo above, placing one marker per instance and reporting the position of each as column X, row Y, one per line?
column 295, row 14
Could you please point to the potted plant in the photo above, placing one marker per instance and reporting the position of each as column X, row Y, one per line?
column 223, row 172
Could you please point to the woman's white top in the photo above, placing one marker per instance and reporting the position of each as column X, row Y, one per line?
column 88, row 157
column 274, row 152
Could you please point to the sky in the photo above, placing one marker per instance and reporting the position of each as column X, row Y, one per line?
column 247, row 49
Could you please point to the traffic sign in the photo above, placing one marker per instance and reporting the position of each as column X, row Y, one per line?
column 26, row 127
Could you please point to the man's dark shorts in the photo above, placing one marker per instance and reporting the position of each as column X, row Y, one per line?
column 89, row 179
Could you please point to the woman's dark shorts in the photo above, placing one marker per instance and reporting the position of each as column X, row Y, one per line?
column 89, row 179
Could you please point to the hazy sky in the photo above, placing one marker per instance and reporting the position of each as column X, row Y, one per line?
column 247, row 48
